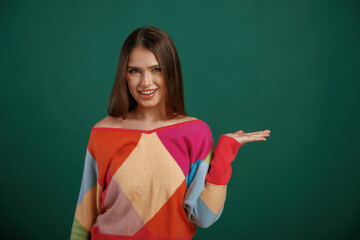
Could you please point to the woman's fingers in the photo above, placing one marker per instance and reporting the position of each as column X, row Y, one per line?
column 250, row 137
column 258, row 134
column 264, row 131
column 259, row 139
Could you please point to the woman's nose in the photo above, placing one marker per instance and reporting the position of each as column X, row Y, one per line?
column 146, row 79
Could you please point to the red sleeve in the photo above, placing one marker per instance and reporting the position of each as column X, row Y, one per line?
column 220, row 166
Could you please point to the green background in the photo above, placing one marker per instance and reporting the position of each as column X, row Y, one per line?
column 289, row 66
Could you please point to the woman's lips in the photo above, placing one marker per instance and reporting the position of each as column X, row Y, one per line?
column 149, row 95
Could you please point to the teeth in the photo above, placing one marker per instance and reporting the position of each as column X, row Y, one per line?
column 148, row 92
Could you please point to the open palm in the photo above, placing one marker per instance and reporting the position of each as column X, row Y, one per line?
column 243, row 138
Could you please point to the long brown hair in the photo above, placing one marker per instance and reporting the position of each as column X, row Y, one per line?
column 159, row 42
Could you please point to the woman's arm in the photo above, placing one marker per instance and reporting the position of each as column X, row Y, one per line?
column 206, row 195
column 86, row 208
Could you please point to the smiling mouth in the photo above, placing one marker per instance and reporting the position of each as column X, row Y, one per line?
column 147, row 92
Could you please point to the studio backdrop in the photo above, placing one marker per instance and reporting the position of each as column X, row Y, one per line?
column 289, row 66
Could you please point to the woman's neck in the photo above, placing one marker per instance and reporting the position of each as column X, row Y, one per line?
column 149, row 115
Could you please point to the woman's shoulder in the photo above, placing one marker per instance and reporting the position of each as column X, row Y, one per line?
column 110, row 121
column 201, row 121
column 198, row 125
column 184, row 118
column 107, row 121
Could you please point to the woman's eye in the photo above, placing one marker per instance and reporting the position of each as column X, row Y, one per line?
column 157, row 69
column 133, row 71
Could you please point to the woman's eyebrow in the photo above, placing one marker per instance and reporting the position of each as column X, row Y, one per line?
column 154, row 66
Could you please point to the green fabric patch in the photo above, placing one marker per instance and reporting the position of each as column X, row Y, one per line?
column 78, row 232
column 209, row 156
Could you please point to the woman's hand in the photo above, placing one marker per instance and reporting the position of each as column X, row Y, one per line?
column 243, row 138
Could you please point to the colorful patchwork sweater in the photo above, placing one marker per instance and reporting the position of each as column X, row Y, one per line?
column 153, row 184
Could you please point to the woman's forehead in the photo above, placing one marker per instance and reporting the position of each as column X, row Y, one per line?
column 142, row 57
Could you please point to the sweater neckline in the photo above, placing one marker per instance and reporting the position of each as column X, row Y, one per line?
column 141, row 130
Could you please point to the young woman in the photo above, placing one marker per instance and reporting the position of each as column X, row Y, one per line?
column 151, row 171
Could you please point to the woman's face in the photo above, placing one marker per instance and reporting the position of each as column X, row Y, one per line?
column 145, row 79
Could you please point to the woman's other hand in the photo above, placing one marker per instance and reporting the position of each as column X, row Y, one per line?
column 243, row 138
